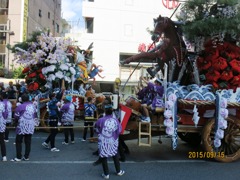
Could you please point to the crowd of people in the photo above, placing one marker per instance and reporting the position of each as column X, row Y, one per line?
column 61, row 112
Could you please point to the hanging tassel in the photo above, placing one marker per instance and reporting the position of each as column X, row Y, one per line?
column 195, row 115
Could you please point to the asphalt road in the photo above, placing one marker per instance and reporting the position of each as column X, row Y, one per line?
column 74, row 161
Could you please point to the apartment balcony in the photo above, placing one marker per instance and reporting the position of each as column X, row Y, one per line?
column 3, row 19
column 2, row 48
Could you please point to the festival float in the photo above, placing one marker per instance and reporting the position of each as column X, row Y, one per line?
column 201, row 86
column 51, row 65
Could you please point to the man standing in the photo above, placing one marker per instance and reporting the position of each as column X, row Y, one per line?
column 25, row 115
column 108, row 129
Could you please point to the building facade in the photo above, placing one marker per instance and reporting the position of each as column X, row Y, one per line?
column 19, row 18
column 117, row 28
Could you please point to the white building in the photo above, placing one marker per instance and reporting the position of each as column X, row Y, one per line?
column 117, row 27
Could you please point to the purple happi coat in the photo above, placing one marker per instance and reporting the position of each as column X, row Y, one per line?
column 2, row 119
column 67, row 111
column 25, row 114
column 157, row 95
column 8, row 110
column 108, row 129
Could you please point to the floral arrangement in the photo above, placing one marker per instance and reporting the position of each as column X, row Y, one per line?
column 45, row 59
column 219, row 65
column 222, row 123
column 169, row 113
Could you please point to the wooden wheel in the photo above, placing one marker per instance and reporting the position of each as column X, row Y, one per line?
column 44, row 117
column 230, row 145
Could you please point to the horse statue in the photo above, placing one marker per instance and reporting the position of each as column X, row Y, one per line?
column 172, row 51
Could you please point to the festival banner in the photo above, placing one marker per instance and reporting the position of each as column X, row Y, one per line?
column 124, row 116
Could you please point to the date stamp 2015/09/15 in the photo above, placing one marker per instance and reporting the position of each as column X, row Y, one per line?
column 203, row 155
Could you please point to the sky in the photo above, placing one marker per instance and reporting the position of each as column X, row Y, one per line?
column 72, row 12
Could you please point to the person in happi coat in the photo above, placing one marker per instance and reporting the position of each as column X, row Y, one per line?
column 67, row 119
column 54, row 116
column 2, row 130
column 89, row 110
column 7, row 114
column 155, row 93
column 25, row 117
column 108, row 129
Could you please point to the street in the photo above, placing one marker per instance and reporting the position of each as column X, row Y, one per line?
column 74, row 161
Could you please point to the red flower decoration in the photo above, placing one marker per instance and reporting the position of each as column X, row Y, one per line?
column 25, row 70
column 215, row 85
column 235, row 65
column 33, row 86
column 236, row 80
column 226, row 75
column 213, row 75
column 219, row 64
column 232, row 51
column 41, row 76
column 32, row 75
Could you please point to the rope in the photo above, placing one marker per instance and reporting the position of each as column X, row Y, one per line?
column 201, row 103
column 58, row 127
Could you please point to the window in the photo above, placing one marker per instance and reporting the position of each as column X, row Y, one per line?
column 40, row 13
column 57, row 28
column 2, row 60
column 48, row 15
column 3, row 3
column 3, row 34
column 3, row 11
column 53, row 23
column 89, row 25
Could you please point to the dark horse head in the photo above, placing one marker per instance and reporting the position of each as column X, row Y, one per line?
column 170, row 29
column 173, row 45
column 160, row 25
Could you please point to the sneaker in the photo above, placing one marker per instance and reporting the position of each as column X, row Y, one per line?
column 4, row 158
column 55, row 150
column 121, row 172
column 146, row 119
column 6, row 140
column 25, row 159
column 83, row 140
column 105, row 176
column 72, row 142
column 64, row 143
column 44, row 144
column 15, row 160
